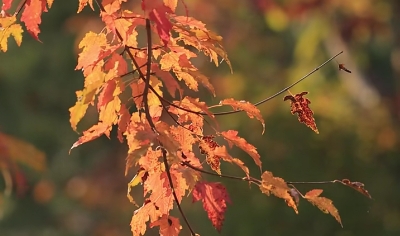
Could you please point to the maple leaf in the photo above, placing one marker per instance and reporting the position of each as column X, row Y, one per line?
column 251, row 110
column 9, row 28
column 171, row 4
column 324, row 204
column 224, row 155
column 191, row 176
column 92, row 133
column 356, row 186
column 158, row 14
column 278, row 187
column 169, row 226
column 300, row 106
column 83, row 3
column 6, row 5
column 31, row 15
column 194, row 33
column 137, row 179
column 169, row 81
column 233, row 139
column 145, row 213
column 95, row 48
column 214, row 198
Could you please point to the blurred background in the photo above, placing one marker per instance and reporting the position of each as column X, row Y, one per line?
column 271, row 44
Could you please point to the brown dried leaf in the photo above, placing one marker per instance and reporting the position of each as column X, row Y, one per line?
column 358, row 186
column 324, row 204
column 278, row 187
column 300, row 106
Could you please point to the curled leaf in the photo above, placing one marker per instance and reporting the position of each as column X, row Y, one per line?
column 300, row 106
column 358, row 186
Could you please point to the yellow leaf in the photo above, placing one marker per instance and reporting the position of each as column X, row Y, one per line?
column 8, row 28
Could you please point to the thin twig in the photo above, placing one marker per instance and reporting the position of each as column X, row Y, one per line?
column 164, row 153
column 283, row 90
column 313, row 182
column 20, row 6
column 247, row 179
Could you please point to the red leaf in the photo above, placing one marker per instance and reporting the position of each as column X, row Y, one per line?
column 232, row 138
column 169, row 226
column 163, row 25
column 324, row 204
column 6, row 5
column 214, row 198
column 31, row 16
column 300, row 106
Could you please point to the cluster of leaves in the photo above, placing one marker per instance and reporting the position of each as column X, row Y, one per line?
column 139, row 90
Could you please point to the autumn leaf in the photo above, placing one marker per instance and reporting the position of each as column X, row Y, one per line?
column 300, row 106
column 214, row 198
column 233, row 139
column 92, row 133
column 278, row 187
column 224, row 155
column 83, row 3
column 140, row 217
column 251, row 110
column 169, row 226
column 31, row 15
column 13, row 151
column 356, row 186
column 324, row 204
column 158, row 15
column 9, row 28
column 137, row 179
column 6, row 5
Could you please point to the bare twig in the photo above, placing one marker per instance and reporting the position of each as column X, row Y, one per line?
column 247, row 179
column 283, row 90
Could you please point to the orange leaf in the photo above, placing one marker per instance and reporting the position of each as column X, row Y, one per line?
column 214, row 198
column 9, row 28
column 31, row 15
column 251, row 110
column 147, row 212
column 233, row 139
column 278, row 187
column 202, row 106
column 83, row 3
column 300, row 106
column 324, row 204
column 171, row 4
column 356, row 186
column 94, row 132
column 224, row 155
column 169, row 226
column 169, row 81
column 93, row 45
